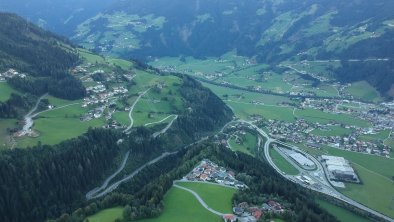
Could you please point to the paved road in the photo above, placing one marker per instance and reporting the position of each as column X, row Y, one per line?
column 130, row 176
column 156, row 134
column 131, row 110
column 94, row 192
column 148, row 124
column 199, row 200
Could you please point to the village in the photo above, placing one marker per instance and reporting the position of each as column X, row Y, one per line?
column 11, row 73
column 209, row 172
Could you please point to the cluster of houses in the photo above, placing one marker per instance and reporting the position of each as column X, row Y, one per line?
column 11, row 73
column 300, row 132
column 243, row 212
column 207, row 171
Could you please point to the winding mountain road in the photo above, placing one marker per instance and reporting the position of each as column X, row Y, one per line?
column 156, row 134
column 94, row 192
column 132, row 108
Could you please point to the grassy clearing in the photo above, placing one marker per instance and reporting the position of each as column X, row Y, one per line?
column 340, row 213
column 90, row 57
column 249, row 143
column 107, row 215
column 282, row 163
column 244, row 110
column 363, row 90
column 314, row 115
column 59, row 125
column 382, row 135
column 181, row 206
column 6, row 91
column 332, row 131
column 217, row 197
column 245, row 96
column 376, row 191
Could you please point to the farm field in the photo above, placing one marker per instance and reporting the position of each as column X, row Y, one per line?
column 217, row 197
column 6, row 91
column 332, row 131
column 282, row 163
column 57, row 125
column 244, row 110
column 340, row 213
column 245, row 96
column 363, row 90
column 248, row 146
column 181, row 206
column 376, row 191
column 382, row 135
column 107, row 215
column 314, row 115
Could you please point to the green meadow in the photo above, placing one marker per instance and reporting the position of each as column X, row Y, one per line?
column 340, row 213
column 215, row 196
column 314, row 115
column 332, row 131
column 6, row 91
column 107, row 215
column 363, row 90
column 248, row 145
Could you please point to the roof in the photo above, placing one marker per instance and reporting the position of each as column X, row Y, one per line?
column 229, row 217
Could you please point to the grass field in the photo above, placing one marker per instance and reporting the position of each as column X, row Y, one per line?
column 181, row 206
column 363, row 90
column 282, row 163
column 332, row 131
column 248, row 146
column 382, row 135
column 244, row 110
column 6, row 91
column 340, row 213
column 314, row 115
column 217, row 197
column 107, row 215
column 376, row 191
column 59, row 125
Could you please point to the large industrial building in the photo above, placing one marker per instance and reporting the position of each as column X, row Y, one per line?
column 302, row 160
column 339, row 168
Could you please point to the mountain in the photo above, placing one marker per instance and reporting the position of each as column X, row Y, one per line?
column 55, row 15
column 270, row 31
column 44, row 58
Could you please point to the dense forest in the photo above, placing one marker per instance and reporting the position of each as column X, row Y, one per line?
column 143, row 196
column 45, row 57
column 16, row 106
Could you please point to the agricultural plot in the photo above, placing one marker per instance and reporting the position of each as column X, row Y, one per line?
column 282, row 163
column 363, row 90
column 379, row 136
column 58, row 125
column 314, row 115
column 376, row 191
column 245, row 110
column 6, row 91
column 332, row 131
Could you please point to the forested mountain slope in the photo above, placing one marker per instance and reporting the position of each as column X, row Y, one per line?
column 42, row 56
